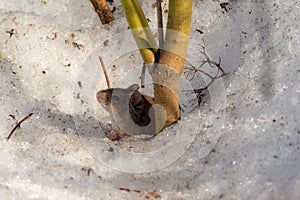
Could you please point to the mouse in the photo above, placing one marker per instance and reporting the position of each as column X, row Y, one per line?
column 130, row 110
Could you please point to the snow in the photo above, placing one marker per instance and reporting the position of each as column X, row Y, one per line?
column 243, row 142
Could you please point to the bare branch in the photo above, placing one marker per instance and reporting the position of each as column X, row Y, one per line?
column 18, row 125
column 143, row 76
column 105, row 72
column 160, row 24
column 191, row 72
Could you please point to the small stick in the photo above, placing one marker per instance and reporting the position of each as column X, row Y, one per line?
column 18, row 125
column 143, row 76
column 160, row 24
column 105, row 72
column 103, row 11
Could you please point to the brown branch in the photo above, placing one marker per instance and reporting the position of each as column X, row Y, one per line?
column 18, row 125
column 143, row 76
column 210, row 62
column 105, row 72
column 103, row 11
column 192, row 70
column 160, row 24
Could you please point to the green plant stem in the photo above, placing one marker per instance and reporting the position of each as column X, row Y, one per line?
column 140, row 30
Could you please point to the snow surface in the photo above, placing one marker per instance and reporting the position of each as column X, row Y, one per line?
column 247, row 143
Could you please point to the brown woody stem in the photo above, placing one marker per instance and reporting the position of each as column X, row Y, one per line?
column 103, row 11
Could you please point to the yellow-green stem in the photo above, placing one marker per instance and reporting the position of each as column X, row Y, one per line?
column 140, row 30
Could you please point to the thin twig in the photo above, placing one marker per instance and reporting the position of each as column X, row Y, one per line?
column 191, row 72
column 193, row 69
column 160, row 24
column 200, row 91
column 211, row 63
column 209, row 84
column 143, row 76
column 105, row 72
column 18, row 125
